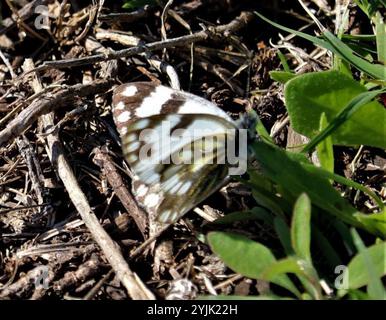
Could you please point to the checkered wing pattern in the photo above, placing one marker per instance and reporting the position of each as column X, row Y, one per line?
column 161, row 131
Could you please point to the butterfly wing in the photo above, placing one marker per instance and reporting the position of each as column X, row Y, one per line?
column 175, row 176
column 176, row 195
column 146, row 115
column 132, row 101
column 191, row 184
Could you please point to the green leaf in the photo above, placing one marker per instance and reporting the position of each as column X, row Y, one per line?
column 301, row 268
column 295, row 179
column 377, row 71
column 380, row 31
column 374, row 221
column 329, row 253
column 358, row 295
column 338, row 47
column 358, row 271
column 246, row 257
column 343, row 116
column 301, row 227
column 369, row 7
column 370, row 265
column 310, row 95
column 282, row 76
column 268, row 201
column 261, row 130
column 345, row 234
column 325, row 148
column 342, row 180
column 359, row 37
column 135, row 4
column 284, row 233
column 256, row 213
column 318, row 41
column 264, row 193
column 284, row 62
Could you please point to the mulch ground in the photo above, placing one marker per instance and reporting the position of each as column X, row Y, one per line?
column 47, row 250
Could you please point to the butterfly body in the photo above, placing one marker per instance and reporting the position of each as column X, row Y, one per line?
column 173, row 172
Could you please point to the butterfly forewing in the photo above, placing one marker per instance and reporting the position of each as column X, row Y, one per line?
column 143, row 99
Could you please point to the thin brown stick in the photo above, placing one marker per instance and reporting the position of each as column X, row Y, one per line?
column 128, row 17
column 127, row 40
column 211, row 32
column 136, row 252
column 34, row 168
column 103, row 160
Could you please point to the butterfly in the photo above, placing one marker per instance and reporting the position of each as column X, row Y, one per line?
column 169, row 178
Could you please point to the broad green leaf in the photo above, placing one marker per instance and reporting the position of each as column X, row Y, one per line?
column 310, row 95
column 246, row 257
column 295, row 179
column 301, row 227
column 375, row 287
column 325, row 148
column 343, row 116
column 357, row 269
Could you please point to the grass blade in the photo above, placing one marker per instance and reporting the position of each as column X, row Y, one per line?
column 377, row 71
column 338, row 47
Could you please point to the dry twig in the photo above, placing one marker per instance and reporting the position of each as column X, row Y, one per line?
column 103, row 160
column 223, row 30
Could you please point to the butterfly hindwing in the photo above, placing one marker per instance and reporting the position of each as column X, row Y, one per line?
column 183, row 180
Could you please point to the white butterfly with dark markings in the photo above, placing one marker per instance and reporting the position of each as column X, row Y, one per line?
column 169, row 189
